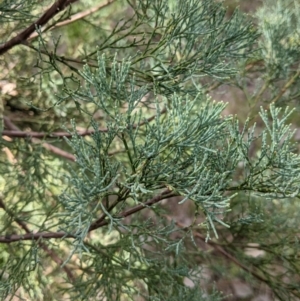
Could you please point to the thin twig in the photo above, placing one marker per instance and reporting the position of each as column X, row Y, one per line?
column 75, row 17
column 22, row 134
column 165, row 194
column 286, row 86
column 221, row 250
column 51, row 253
column 47, row 235
column 33, row 236
column 55, row 150
column 9, row 124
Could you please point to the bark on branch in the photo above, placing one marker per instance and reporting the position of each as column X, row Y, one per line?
column 57, row 7
column 97, row 224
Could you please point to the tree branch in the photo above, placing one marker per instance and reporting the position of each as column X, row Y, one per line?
column 165, row 194
column 97, row 224
column 221, row 250
column 57, row 7
column 9, row 124
column 51, row 253
column 75, row 17
column 33, row 236
column 20, row 134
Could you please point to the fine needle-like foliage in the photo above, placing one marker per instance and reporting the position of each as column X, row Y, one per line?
column 108, row 131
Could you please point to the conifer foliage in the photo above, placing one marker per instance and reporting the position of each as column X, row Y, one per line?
column 121, row 178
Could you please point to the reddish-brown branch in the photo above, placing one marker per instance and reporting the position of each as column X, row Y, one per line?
column 20, row 134
column 76, row 17
column 58, row 260
column 165, row 194
column 221, row 250
column 57, row 7
column 51, row 253
column 55, row 150
column 10, row 125
column 47, row 235
column 33, row 236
